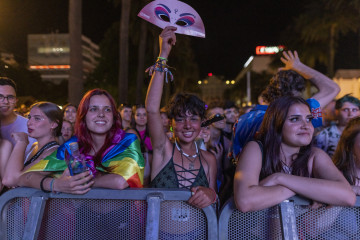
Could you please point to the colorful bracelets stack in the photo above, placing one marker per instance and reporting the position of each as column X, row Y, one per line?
column 161, row 66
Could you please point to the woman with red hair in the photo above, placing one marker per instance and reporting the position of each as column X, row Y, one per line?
column 113, row 157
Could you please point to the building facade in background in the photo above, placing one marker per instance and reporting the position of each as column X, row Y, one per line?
column 50, row 55
column 348, row 81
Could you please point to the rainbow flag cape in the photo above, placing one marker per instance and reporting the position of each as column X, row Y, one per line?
column 124, row 157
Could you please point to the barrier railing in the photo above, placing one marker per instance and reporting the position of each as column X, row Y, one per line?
column 291, row 220
column 28, row 213
column 104, row 214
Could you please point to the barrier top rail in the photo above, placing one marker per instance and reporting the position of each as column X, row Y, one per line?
column 153, row 198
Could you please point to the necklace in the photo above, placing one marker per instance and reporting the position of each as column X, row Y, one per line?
column 286, row 168
column 185, row 154
column 46, row 146
column 190, row 158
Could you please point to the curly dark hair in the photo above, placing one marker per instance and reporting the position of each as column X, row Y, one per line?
column 185, row 102
column 284, row 83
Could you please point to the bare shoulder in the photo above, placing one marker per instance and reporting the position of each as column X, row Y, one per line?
column 317, row 153
column 252, row 148
column 131, row 130
column 250, row 156
column 207, row 155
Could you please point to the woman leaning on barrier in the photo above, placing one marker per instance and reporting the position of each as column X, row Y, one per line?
column 44, row 124
column 282, row 162
column 112, row 157
column 347, row 154
column 179, row 163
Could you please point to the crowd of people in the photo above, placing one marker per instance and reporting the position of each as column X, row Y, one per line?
column 262, row 156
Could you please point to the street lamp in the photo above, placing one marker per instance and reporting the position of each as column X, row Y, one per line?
column 248, row 87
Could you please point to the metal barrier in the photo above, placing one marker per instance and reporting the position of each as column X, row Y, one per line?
column 28, row 213
column 291, row 220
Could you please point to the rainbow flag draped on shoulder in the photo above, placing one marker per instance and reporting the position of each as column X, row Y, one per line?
column 124, row 158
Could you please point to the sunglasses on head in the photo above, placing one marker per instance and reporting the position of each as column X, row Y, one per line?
column 212, row 119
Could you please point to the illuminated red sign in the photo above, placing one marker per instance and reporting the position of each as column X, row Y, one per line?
column 267, row 50
column 50, row 67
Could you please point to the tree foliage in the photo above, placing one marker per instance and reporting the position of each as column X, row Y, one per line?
column 316, row 31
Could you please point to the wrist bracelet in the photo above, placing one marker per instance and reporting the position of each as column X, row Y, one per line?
column 51, row 185
column 42, row 186
column 215, row 198
column 161, row 58
column 161, row 66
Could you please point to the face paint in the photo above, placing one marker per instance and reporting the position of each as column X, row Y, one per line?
column 163, row 13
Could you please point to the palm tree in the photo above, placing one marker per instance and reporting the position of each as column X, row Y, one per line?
column 141, row 62
column 322, row 23
column 124, row 51
column 76, row 83
column 351, row 3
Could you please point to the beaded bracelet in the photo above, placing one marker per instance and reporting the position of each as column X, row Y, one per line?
column 161, row 66
column 42, row 186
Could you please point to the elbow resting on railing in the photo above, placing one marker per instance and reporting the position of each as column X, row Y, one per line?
column 10, row 181
column 350, row 201
column 243, row 204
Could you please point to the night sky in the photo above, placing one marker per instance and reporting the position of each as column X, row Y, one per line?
column 233, row 27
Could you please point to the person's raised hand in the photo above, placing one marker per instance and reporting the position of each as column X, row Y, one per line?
column 291, row 61
column 167, row 39
column 78, row 184
column 20, row 137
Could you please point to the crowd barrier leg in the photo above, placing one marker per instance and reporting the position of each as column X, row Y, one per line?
column 153, row 216
column 288, row 221
column 35, row 215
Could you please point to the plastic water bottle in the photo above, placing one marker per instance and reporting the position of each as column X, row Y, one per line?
column 77, row 162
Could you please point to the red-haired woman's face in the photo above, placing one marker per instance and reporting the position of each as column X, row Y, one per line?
column 100, row 117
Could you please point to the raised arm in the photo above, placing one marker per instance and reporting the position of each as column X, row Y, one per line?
column 153, row 98
column 328, row 89
column 249, row 195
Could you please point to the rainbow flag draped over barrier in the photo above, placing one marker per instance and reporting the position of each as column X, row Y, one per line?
column 124, row 157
